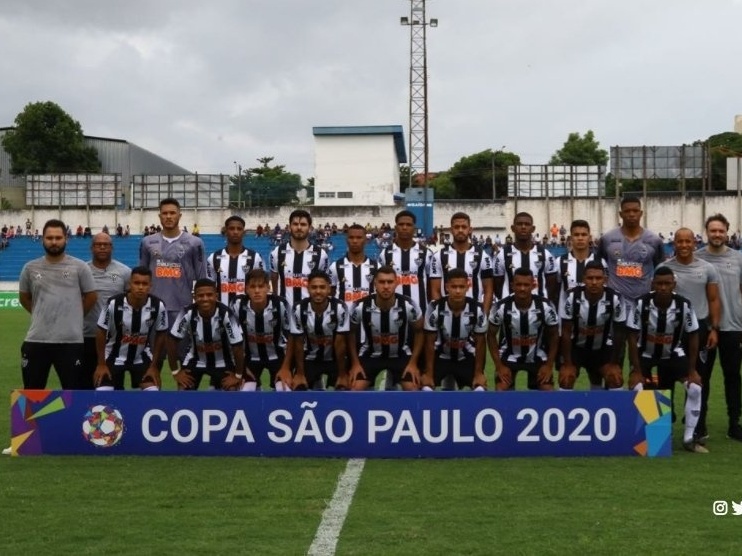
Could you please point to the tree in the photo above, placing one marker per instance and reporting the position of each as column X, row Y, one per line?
column 404, row 177
column 581, row 151
column 443, row 186
column 722, row 146
column 47, row 140
column 310, row 189
column 472, row 175
column 266, row 186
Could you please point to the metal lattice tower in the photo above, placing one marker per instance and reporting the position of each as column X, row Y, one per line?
column 418, row 89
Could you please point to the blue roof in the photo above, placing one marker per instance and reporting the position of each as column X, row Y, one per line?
column 393, row 130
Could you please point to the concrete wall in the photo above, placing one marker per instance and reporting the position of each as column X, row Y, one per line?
column 663, row 214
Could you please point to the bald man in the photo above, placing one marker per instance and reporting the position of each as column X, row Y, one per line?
column 111, row 278
column 698, row 281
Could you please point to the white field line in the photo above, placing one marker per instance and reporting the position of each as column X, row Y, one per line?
column 326, row 538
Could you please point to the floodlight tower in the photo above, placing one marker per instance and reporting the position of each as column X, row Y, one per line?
column 418, row 127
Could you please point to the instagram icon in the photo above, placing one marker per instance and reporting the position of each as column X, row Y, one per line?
column 720, row 507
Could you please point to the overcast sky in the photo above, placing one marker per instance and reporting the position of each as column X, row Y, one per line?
column 205, row 84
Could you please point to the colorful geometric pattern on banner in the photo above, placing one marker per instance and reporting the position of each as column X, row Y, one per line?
column 342, row 424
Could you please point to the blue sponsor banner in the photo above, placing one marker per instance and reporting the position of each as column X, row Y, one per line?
column 341, row 424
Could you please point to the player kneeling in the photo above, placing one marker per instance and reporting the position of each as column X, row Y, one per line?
column 593, row 332
column 659, row 326
column 455, row 344
column 380, row 325
column 125, row 327
column 216, row 343
column 319, row 327
column 528, row 323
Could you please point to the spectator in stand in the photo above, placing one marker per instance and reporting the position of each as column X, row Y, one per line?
column 29, row 225
column 36, row 235
column 196, row 230
column 259, row 231
column 87, row 232
column 105, row 229
column 18, row 231
column 119, row 230
column 127, row 231
column 79, row 231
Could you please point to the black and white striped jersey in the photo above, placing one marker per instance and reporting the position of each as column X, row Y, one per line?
column 592, row 323
column 538, row 259
column 319, row 330
column 128, row 329
column 229, row 272
column 352, row 281
column 265, row 331
column 475, row 261
column 211, row 338
column 413, row 268
column 293, row 269
column 570, row 272
column 522, row 333
column 661, row 331
column 385, row 334
column 455, row 333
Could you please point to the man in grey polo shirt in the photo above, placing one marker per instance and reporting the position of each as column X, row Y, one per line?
column 728, row 263
column 58, row 290
column 698, row 281
column 111, row 278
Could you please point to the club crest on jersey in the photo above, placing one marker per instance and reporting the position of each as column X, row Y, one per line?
column 114, row 277
column 180, row 252
column 473, row 263
column 418, row 261
column 310, row 264
column 66, row 274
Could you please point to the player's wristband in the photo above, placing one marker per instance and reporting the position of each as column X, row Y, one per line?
column 238, row 376
column 176, row 371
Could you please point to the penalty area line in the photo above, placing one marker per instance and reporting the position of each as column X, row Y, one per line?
column 326, row 538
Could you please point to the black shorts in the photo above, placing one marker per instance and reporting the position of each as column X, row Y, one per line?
column 462, row 371
column 118, row 375
column 37, row 359
column 372, row 366
column 271, row 365
column 591, row 361
column 669, row 371
column 531, row 369
column 215, row 376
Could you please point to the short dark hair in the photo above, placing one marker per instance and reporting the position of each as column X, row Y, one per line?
column 523, row 271
column 718, row 217
column 579, row 224
column 460, row 216
column 630, row 199
column 527, row 214
column 257, row 275
column 319, row 274
column 141, row 270
column 234, row 218
column 170, row 201
column 53, row 223
column 594, row 265
column 664, row 271
column 385, row 269
column 456, row 273
column 355, row 226
column 300, row 213
column 204, row 283
column 403, row 213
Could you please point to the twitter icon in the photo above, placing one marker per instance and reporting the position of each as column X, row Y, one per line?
column 736, row 508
